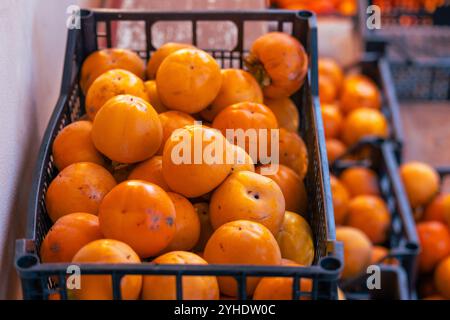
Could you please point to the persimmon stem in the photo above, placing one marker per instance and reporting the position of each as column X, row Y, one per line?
column 256, row 68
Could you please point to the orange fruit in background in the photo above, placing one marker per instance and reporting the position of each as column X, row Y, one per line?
column 286, row 113
column 194, row 287
column 248, row 116
column 362, row 123
column 293, row 152
column 296, row 239
column 180, row 171
column 237, row 86
column 247, row 195
column 160, row 54
column 74, row 144
column 236, row 243
column 291, row 185
column 341, row 199
column 68, row 235
column 359, row 91
column 421, row 182
column 378, row 254
column 330, row 69
column 79, row 187
column 110, row 84
column 104, row 60
column 442, row 278
column 127, row 129
column 335, row 149
column 151, row 171
column 369, row 214
column 434, row 238
column 242, row 160
column 206, row 229
column 153, row 96
column 99, row 287
column 140, row 214
column 187, row 224
column 438, row 209
column 434, row 297
column 360, row 181
column 280, row 288
column 357, row 251
column 279, row 63
column 332, row 120
column 170, row 121
column 327, row 91
column 188, row 80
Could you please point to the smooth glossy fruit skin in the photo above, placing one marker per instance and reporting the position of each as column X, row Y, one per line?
column 140, row 214
column 194, row 287
column 68, row 235
column 293, row 188
column 341, row 199
column 327, row 91
column 296, row 239
column 370, row 214
column 362, row 123
column 187, row 224
column 160, row 54
column 359, row 91
column 332, row 120
column 242, row 160
column 250, row 196
column 170, row 121
column 74, row 144
column 110, row 84
column 360, row 181
column 434, row 239
column 241, row 242
column 421, row 182
column 279, row 63
column 330, row 69
column 335, row 149
column 153, row 96
column 442, row 278
column 206, row 229
column 151, row 171
column 99, row 287
column 280, row 288
column 293, row 152
column 103, row 60
column 188, row 80
column 237, row 86
column 189, row 178
column 286, row 113
column 438, row 209
column 357, row 251
column 80, row 187
column 127, row 129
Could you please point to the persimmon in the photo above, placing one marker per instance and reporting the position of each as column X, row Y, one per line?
column 79, row 187
column 285, row 111
column 140, row 214
column 438, row 209
column 188, row 80
column 369, row 214
column 434, row 238
column 341, row 199
column 360, row 181
column 160, row 54
column 327, row 91
column 170, row 121
column 293, row 152
column 180, row 171
column 235, row 243
column 362, row 123
column 127, row 129
column 74, row 144
column 68, row 235
column 357, row 251
column 279, row 63
column 442, row 278
column 206, row 229
column 379, row 255
column 151, row 171
column 242, row 160
column 421, row 182
column 291, row 185
column 359, row 91
column 153, row 96
column 329, row 68
column 332, row 120
column 237, row 86
column 335, row 149
column 246, row 195
column 104, row 60
column 296, row 239
column 194, row 287
column 99, row 287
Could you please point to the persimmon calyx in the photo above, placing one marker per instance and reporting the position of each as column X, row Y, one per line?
column 256, row 68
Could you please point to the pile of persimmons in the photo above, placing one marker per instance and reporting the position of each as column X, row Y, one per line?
column 122, row 197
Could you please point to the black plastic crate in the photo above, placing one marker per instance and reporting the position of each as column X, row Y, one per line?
column 402, row 242
column 35, row 277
